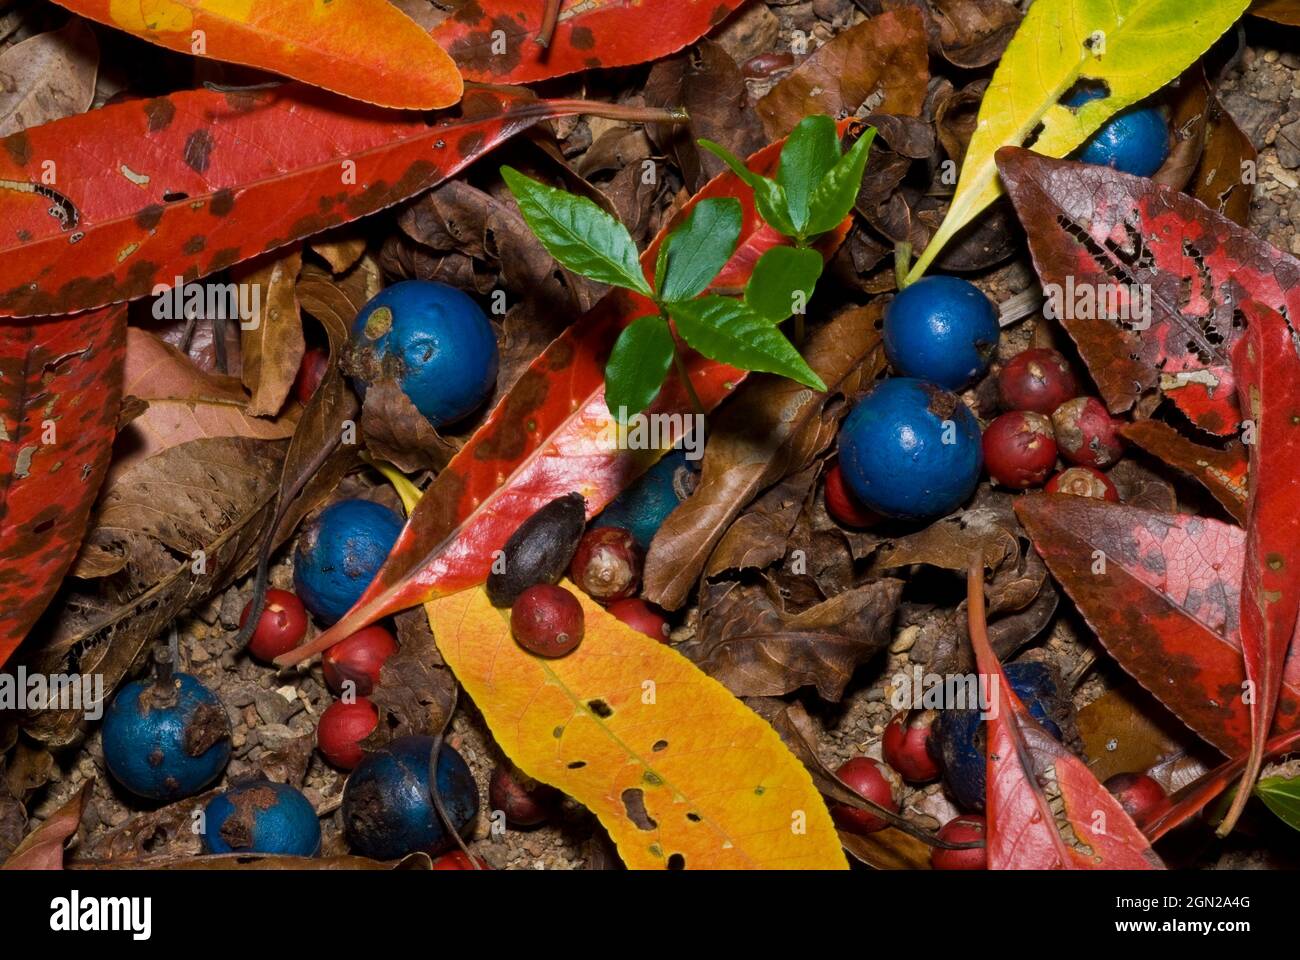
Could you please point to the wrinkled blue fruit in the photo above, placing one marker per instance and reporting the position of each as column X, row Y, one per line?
column 941, row 329
column 340, row 552
column 642, row 508
column 961, row 734
column 261, row 817
column 1133, row 141
column 387, row 809
column 910, row 450
column 434, row 341
column 166, row 739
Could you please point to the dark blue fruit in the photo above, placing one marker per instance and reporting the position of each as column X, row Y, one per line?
column 1133, row 141
column 339, row 553
column 434, row 341
column 166, row 739
column 387, row 809
column 910, row 450
column 642, row 508
column 941, row 329
column 261, row 817
column 961, row 735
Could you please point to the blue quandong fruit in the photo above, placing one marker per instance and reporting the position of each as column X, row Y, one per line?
column 166, row 738
column 1133, row 141
column 910, row 450
column 261, row 817
column 642, row 508
column 339, row 553
column 434, row 341
column 388, row 811
column 941, row 329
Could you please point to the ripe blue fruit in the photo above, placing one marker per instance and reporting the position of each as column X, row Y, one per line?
column 339, row 553
column 1133, row 141
column 642, row 508
column 910, row 450
column 434, row 341
column 387, row 809
column 261, row 817
column 941, row 329
column 961, row 735
column 165, row 739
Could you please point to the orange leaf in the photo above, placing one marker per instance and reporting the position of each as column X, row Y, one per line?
column 678, row 770
column 367, row 49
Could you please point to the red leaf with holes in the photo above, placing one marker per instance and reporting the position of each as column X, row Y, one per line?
column 1163, row 594
column 186, row 185
column 1045, row 809
column 60, row 388
column 1093, row 229
column 1222, row 472
column 496, row 41
column 548, row 436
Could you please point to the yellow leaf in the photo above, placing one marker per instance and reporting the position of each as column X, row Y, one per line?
column 679, row 771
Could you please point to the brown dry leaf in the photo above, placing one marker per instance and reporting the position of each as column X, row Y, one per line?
column 752, row 645
column 1222, row 472
column 887, row 849
column 396, row 431
column 1126, row 730
column 949, row 543
column 416, row 692
column 760, row 536
column 165, row 833
column 772, row 428
column 881, row 64
column 973, row 33
column 43, row 848
column 271, row 351
column 47, row 77
column 341, row 254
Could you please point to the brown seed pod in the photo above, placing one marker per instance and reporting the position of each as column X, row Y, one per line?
column 539, row 551
column 607, row 564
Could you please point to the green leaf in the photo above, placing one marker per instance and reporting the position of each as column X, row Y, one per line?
column 810, row 152
column 782, row 282
column 578, row 234
column 1140, row 46
column 769, row 197
column 694, row 253
column 726, row 330
column 1282, row 796
column 637, row 365
column 837, row 190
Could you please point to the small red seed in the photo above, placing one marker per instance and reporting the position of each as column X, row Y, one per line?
column 341, row 729
column 1137, row 793
column 310, row 373
column 1085, row 433
column 873, row 781
column 968, row 828
column 525, row 802
column 842, row 505
column 547, row 621
column 1084, row 482
column 906, row 746
column 640, row 616
column 1039, row 380
column 1020, row 449
column 607, row 564
column 358, row 658
column 280, row 628
column 459, row 860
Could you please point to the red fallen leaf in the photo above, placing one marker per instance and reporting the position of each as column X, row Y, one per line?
column 1162, row 592
column 1222, row 472
column 60, row 388
column 548, row 436
column 1094, row 228
column 367, row 49
column 498, row 41
column 1267, row 370
column 1046, row 811
column 186, row 185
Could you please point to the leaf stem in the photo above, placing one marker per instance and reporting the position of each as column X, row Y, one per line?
column 550, row 16
column 902, row 258
column 684, row 376
column 620, row 111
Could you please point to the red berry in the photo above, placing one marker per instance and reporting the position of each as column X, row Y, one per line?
column 607, row 564
column 1137, row 793
column 525, row 802
column 358, row 658
column 459, row 860
column 1020, row 449
column 547, row 620
column 872, row 781
column 640, row 616
column 1084, row 482
column 280, row 628
column 906, row 743
column 1086, row 434
column 310, row 372
column 341, row 729
column 967, row 828
column 1039, row 380
column 842, row 505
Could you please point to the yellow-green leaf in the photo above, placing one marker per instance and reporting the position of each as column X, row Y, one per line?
column 1134, row 47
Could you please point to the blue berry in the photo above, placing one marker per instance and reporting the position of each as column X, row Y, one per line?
column 261, row 817
column 941, row 329
column 387, row 809
column 1133, row 141
column 910, row 450
column 339, row 553
column 642, row 508
column 434, row 340
column 166, row 739
column 960, row 739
